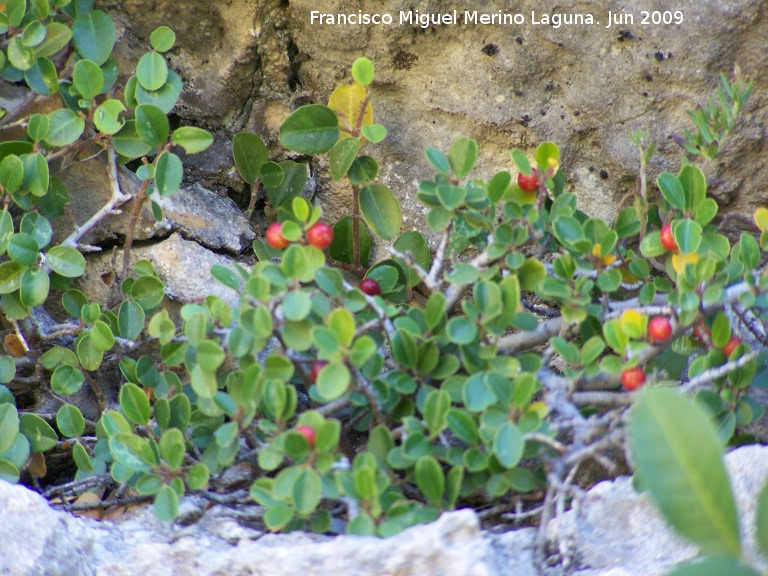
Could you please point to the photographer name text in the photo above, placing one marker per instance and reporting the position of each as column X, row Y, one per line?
column 499, row 18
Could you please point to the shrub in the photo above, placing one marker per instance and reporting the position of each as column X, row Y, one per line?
column 446, row 379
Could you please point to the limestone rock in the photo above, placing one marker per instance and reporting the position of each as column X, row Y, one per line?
column 183, row 266
column 198, row 214
column 612, row 532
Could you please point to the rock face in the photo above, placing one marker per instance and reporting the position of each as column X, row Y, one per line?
column 247, row 64
column 613, row 532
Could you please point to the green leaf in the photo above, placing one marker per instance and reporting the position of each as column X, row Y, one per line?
column 333, row 380
column 374, row 132
column 107, row 117
column 311, row 129
column 34, row 34
column 508, row 445
column 462, row 156
column 57, row 36
column 169, row 172
column 362, row 71
column 166, row 504
column 341, row 245
column 130, row 319
column 436, row 405
column 36, row 129
column 21, row 57
column 70, row 421
column 37, row 226
column 12, row 170
column 89, row 355
column 9, row 426
column 342, row 155
column 381, row 210
column 687, row 234
column 297, row 305
column 132, row 451
column 152, row 71
column 193, row 140
column 66, row 261
column 148, row 292
column 197, row 477
column 451, row 197
column 651, row 245
column 461, row 330
column 67, row 380
column 679, row 457
column 34, row 287
column 165, row 98
column 306, row 491
column 88, row 78
column 694, row 186
column 93, row 36
column 363, row 168
column 173, row 448
column 23, row 249
column 39, row 433
column 250, row 153
column 152, row 124
column 463, row 425
column 715, row 566
column 135, row 404
column 272, row 174
column 547, row 156
column 414, row 243
column 162, row 39
column 278, row 516
column 430, row 479
column 671, row 189
column 128, row 143
column 7, row 369
column 64, row 127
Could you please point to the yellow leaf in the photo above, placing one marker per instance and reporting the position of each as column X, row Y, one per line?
column 596, row 250
column 761, row 219
column 633, row 323
column 680, row 261
column 538, row 408
column 346, row 101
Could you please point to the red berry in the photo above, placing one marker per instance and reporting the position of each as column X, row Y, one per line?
column 317, row 365
column 275, row 236
column 633, row 378
column 308, row 432
column 667, row 238
column 730, row 346
column 320, row 235
column 370, row 286
column 530, row 182
column 659, row 329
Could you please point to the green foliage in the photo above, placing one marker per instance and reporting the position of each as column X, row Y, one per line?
column 449, row 390
column 679, row 460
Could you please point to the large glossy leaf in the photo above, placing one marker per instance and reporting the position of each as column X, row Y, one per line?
column 381, row 211
column 311, row 129
column 341, row 245
column 250, row 153
column 679, row 457
column 94, row 36
column 414, row 243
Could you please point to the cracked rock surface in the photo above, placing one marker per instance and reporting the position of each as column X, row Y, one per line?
column 613, row 531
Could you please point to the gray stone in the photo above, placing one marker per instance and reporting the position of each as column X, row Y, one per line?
column 612, row 531
column 198, row 214
column 247, row 64
column 183, row 266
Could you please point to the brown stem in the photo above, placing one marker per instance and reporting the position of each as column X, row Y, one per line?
column 254, row 194
column 355, row 226
column 140, row 198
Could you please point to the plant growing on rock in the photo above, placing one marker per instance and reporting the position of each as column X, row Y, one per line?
column 438, row 385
